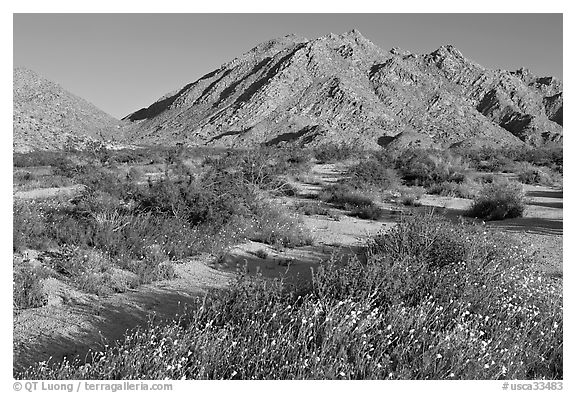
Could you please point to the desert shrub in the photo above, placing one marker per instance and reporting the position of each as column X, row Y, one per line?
column 484, row 178
column 29, row 226
column 466, row 189
column 550, row 157
column 312, row 208
column 258, row 167
column 409, row 196
column 532, row 174
column 426, row 167
column 498, row 201
column 28, row 291
column 425, row 237
column 134, row 174
column 432, row 300
column 372, row 173
column 55, row 159
column 297, row 157
column 23, row 176
column 261, row 253
column 275, row 226
column 96, row 178
column 45, row 182
column 488, row 159
column 343, row 196
column 496, row 160
column 334, row 152
column 369, row 212
column 141, row 227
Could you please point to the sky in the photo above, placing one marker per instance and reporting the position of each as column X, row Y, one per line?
column 123, row 62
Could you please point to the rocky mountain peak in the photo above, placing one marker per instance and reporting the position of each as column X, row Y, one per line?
column 342, row 87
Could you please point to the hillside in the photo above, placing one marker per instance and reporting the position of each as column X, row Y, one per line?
column 343, row 88
column 47, row 117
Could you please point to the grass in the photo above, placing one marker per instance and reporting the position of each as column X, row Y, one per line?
column 433, row 300
column 498, row 201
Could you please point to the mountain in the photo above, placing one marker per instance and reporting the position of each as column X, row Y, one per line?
column 344, row 88
column 47, row 117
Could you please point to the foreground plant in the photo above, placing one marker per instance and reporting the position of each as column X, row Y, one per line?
column 432, row 300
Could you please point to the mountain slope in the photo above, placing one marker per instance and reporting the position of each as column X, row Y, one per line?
column 345, row 88
column 46, row 117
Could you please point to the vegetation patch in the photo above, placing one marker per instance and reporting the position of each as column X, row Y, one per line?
column 28, row 290
column 433, row 300
column 498, row 201
column 334, row 152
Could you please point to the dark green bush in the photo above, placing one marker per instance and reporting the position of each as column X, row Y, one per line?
column 498, row 201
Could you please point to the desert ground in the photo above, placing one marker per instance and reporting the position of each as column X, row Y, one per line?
column 76, row 321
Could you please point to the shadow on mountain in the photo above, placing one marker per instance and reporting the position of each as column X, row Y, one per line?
column 309, row 133
column 156, row 108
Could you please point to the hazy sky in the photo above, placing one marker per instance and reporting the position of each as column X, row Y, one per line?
column 123, row 62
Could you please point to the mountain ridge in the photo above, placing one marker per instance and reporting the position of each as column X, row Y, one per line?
column 47, row 117
column 345, row 88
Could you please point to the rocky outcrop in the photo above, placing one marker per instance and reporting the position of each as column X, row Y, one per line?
column 47, row 117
